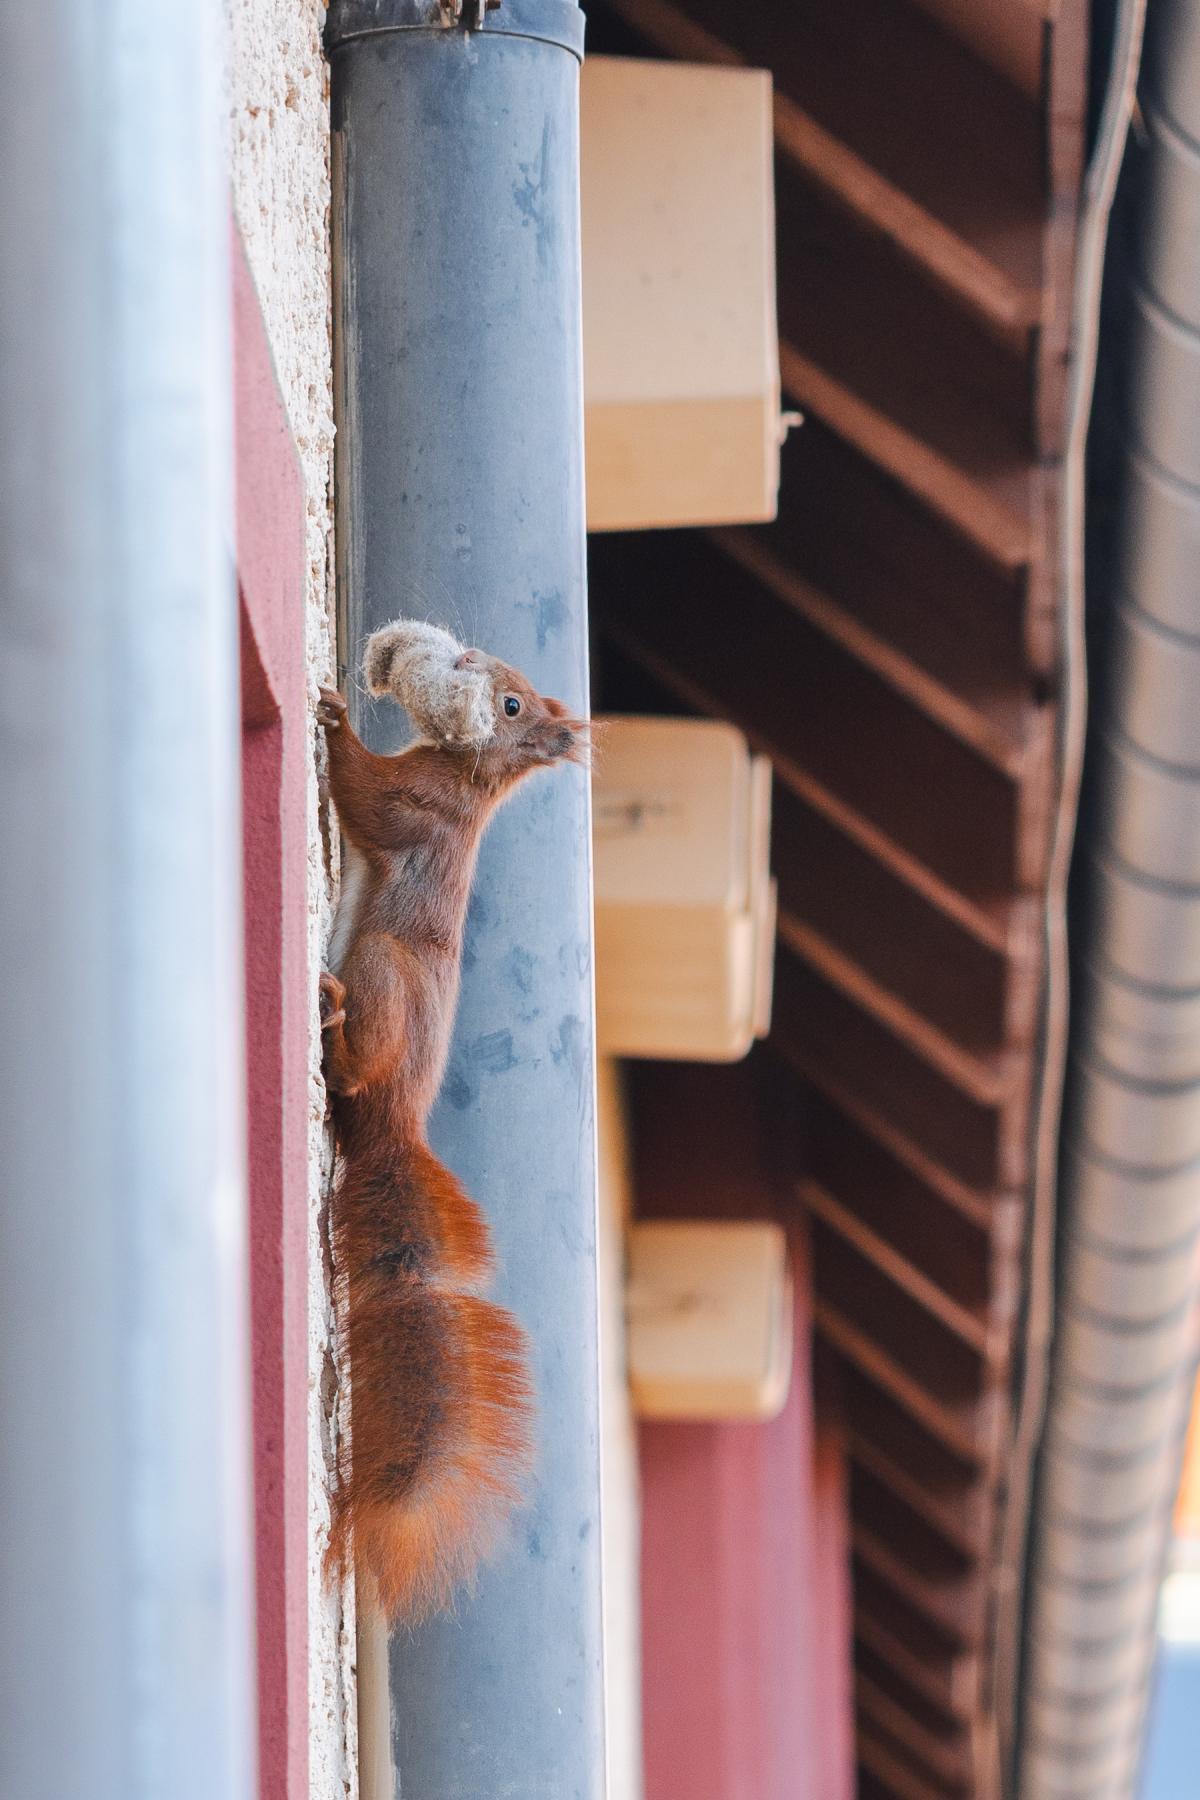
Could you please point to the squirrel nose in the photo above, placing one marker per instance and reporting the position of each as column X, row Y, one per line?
column 468, row 660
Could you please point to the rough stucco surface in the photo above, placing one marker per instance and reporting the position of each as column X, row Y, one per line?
column 278, row 102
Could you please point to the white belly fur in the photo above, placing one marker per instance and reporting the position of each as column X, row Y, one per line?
column 350, row 898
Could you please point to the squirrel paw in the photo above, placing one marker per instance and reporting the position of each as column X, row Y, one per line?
column 333, row 998
column 331, row 709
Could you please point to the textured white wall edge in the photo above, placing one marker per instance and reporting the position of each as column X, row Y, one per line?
column 279, row 150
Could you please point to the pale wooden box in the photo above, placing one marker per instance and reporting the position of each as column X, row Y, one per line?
column 680, row 340
column 685, row 907
column 710, row 1320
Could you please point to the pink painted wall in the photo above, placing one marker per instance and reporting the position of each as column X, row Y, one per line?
column 745, row 1605
column 746, row 1616
column 271, row 573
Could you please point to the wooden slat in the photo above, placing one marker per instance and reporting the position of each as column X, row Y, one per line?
column 912, row 579
column 960, row 1430
column 1000, row 296
column 942, row 1727
column 961, row 1383
column 884, row 1436
column 957, row 1608
column 990, row 734
column 946, row 1677
column 994, row 524
column 990, row 1080
column 978, row 993
column 1005, row 303
column 1009, row 37
column 951, row 1687
column 964, row 1324
column 947, row 1755
column 970, row 823
column 954, row 1575
column 971, row 1201
column 994, row 923
column 977, row 1139
column 956, row 1525
column 898, row 1777
column 858, row 88
column 955, row 394
column 970, row 1252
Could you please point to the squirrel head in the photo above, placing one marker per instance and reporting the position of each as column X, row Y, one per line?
column 467, row 700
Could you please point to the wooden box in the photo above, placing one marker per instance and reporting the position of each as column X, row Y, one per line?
column 681, row 355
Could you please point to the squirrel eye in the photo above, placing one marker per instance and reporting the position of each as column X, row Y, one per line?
column 512, row 705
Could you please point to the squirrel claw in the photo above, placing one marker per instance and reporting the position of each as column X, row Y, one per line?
column 331, row 708
column 333, row 996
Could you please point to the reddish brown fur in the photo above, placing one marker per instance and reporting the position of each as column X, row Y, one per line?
column 440, row 1436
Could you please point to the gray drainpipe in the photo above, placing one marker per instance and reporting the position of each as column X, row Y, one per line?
column 125, row 1671
column 1124, row 1360
column 460, row 498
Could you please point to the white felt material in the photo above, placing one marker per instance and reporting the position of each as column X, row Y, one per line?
column 414, row 662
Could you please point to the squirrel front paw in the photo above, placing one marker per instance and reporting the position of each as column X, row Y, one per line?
column 331, row 709
column 333, row 1001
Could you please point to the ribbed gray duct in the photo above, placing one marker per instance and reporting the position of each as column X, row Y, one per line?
column 1124, row 1355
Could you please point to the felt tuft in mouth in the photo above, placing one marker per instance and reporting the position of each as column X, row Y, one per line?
column 432, row 676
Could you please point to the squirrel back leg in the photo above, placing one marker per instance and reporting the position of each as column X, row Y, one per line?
column 364, row 1019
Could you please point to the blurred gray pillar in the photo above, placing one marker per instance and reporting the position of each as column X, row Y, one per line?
column 460, row 498
column 125, row 1669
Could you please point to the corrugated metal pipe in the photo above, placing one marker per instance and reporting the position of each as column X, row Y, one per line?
column 460, row 498
column 1125, row 1352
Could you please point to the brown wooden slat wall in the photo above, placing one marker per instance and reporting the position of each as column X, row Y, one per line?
column 891, row 642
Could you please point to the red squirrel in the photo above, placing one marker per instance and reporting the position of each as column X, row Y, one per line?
column 441, row 1402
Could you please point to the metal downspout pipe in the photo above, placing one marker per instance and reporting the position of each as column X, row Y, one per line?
column 1125, row 1356
column 458, row 384
column 124, row 1565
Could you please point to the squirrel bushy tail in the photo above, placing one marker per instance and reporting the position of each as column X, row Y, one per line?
column 441, row 1408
